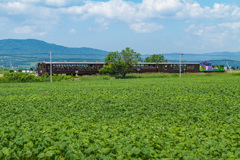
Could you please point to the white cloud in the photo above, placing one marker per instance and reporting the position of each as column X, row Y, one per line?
column 72, row 31
column 232, row 25
column 30, row 1
column 159, row 8
column 146, row 27
column 141, row 17
column 14, row 8
column 56, row 2
column 217, row 36
column 29, row 30
column 23, row 30
column 137, row 14
column 113, row 9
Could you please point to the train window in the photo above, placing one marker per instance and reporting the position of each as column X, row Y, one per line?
column 165, row 66
column 44, row 66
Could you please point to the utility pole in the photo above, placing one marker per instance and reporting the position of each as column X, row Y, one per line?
column 3, row 65
column 180, row 64
column 227, row 66
column 51, row 66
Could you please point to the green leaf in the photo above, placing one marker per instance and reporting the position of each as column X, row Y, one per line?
column 49, row 153
column 89, row 150
column 28, row 154
column 30, row 144
column 136, row 151
column 1, row 154
column 105, row 150
column 5, row 151
column 41, row 155
column 145, row 151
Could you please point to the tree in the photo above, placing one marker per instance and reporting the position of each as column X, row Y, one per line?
column 108, row 69
column 155, row 58
column 123, row 62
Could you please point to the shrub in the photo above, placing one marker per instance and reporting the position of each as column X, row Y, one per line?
column 19, row 77
column 108, row 69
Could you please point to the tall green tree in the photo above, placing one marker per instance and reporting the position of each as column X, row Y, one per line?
column 123, row 62
column 155, row 58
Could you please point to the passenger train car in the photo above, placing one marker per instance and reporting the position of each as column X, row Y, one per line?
column 208, row 67
column 88, row 68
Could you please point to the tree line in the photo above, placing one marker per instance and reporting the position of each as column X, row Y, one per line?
column 123, row 62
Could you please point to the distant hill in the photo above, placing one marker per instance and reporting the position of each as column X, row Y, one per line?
column 26, row 53
column 21, row 53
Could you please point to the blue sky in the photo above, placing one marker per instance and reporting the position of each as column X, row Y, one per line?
column 147, row 26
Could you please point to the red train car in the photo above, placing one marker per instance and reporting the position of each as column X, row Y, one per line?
column 88, row 68
column 70, row 68
column 166, row 67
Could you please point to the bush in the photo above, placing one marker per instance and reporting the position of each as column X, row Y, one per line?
column 19, row 77
column 28, row 77
column 108, row 69
column 63, row 77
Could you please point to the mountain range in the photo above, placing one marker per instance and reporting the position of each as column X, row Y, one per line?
column 26, row 53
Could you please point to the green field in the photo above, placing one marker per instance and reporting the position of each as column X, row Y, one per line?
column 197, row 116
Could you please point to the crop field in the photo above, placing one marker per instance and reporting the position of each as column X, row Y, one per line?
column 195, row 117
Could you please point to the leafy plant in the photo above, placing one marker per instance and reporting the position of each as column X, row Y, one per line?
column 195, row 117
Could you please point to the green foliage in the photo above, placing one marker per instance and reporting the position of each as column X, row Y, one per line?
column 195, row 117
column 123, row 62
column 19, row 77
column 5, row 70
column 107, row 69
column 28, row 77
column 155, row 58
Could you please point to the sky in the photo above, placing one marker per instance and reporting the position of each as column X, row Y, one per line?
column 147, row 26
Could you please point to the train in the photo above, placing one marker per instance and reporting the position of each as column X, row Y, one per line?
column 208, row 67
column 89, row 68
